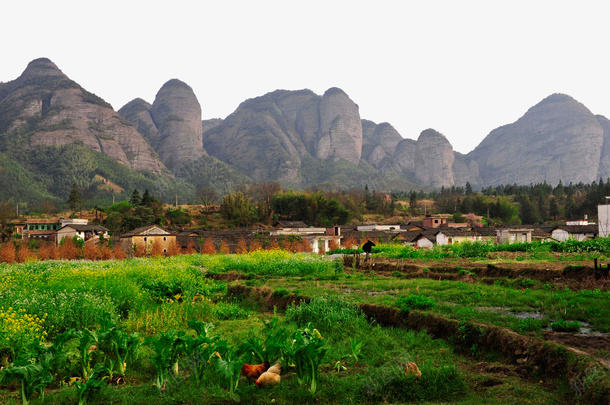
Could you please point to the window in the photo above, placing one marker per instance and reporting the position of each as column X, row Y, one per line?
column 145, row 239
column 164, row 239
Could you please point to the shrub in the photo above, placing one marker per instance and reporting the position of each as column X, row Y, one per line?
column 90, row 253
column 528, row 325
column 8, row 253
column 224, row 248
column 190, row 248
column 415, row 302
column 156, row 250
column 350, row 243
column 68, row 249
column 565, row 326
column 281, row 293
column 255, row 245
column 173, row 249
column 48, row 251
column 306, row 246
column 242, row 247
column 208, row 247
column 118, row 252
column 24, row 254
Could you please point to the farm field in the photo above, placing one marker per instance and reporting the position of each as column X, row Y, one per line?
column 495, row 328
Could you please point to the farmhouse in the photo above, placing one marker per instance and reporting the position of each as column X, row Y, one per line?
column 84, row 232
column 146, row 236
column 43, row 229
column 514, row 235
column 576, row 232
column 434, row 222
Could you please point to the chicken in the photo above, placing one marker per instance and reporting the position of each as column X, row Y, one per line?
column 270, row 377
column 252, row 372
column 411, row 368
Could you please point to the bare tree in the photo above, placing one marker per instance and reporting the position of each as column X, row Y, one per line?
column 207, row 196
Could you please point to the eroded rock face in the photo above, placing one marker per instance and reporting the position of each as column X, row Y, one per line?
column 379, row 142
column 58, row 112
column 176, row 114
column 434, row 159
column 138, row 112
column 604, row 164
column 558, row 139
column 259, row 138
column 267, row 137
column 340, row 128
column 466, row 172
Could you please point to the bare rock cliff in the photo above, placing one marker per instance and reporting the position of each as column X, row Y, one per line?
column 434, row 159
column 340, row 128
column 557, row 139
column 53, row 110
column 176, row 113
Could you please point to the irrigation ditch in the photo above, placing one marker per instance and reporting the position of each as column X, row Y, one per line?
column 561, row 274
column 533, row 357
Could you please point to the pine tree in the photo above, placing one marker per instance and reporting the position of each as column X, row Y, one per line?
column 468, row 188
column 147, row 199
column 74, row 199
column 135, row 198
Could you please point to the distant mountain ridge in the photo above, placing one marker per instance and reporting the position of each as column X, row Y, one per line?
column 297, row 138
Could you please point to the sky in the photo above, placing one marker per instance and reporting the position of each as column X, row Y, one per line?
column 462, row 68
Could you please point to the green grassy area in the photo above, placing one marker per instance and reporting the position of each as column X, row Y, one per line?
column 144, row 316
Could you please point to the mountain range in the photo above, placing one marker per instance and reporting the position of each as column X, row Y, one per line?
column 54, row 133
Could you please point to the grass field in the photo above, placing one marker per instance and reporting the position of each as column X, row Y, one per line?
column 173, row 330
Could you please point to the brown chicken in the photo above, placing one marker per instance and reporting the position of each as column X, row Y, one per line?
column 252, row 372
column 411, row 368
column 270, row 377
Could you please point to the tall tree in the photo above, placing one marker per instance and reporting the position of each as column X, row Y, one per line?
column 147, row 199
column 135, row 198
column 74, row 199
column 7, row 212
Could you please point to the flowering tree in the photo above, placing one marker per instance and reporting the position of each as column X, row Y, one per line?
column 474, row 221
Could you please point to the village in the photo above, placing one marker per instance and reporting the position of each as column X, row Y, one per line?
column 422, row 233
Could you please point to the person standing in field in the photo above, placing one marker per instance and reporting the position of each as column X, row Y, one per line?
column 368, row 247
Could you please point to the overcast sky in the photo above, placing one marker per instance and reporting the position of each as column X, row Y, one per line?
column 460, row 67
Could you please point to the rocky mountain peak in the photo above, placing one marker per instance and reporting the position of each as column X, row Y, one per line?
column 432, row 135
column 41, row 67
column 557, row 139
column 434, row 159
column 53, row 110
column 176, row 114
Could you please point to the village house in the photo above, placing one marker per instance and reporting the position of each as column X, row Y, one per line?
column 88, row 233
column 575, row 232
column 145, row 236
column 41, row 229
column 434, row 222
column 514, row 235
column 319, row 238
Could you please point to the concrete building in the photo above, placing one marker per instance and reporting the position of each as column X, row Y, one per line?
column 603, row 219
column 514, row 235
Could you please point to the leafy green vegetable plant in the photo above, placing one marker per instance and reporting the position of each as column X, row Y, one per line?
column 167, row 346
column 306, row 351
column 32, row 375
